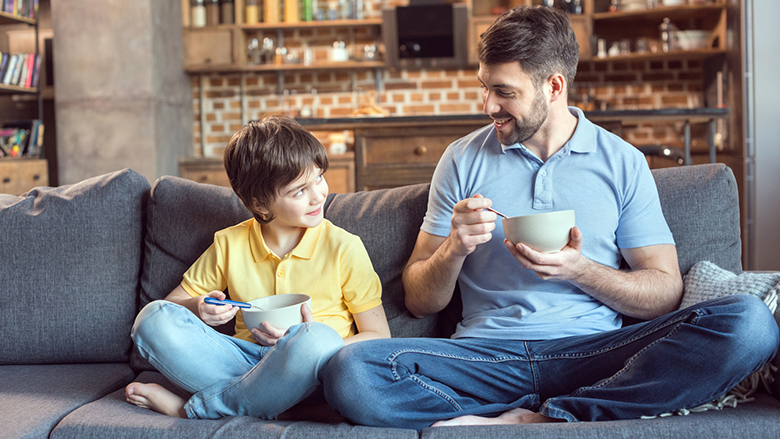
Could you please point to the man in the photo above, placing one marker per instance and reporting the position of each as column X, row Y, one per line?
column 541, row 338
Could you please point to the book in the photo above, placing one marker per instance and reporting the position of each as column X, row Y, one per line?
column 36, row 71
column 3, row 62
column 30, row 68
column 9, row 73
column 18, row 71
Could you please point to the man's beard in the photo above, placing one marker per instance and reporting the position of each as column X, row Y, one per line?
column 524, row 131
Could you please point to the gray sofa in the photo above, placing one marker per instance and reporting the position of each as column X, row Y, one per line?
column 79, row 261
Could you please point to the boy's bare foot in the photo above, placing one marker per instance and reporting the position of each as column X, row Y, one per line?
column 514, row 416
column 155, row 397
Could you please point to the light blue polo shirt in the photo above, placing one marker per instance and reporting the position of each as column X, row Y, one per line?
column 605, row 180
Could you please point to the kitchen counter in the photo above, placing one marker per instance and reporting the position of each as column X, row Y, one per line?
column 363, row 125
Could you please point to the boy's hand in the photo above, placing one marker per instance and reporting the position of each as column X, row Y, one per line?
column 215, row 315
column 268, row 335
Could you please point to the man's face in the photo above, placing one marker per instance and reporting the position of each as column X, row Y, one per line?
column 518, row 109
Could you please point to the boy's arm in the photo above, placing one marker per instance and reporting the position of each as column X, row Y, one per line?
column 371, row 324
column 212, row 315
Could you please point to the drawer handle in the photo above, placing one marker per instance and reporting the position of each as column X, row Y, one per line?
column 420, row 150
column 6, row 180
column 36, row 177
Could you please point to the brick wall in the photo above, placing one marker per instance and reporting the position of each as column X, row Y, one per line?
column 230, row 100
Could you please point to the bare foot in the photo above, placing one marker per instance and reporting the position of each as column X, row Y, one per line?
column 155, row 397
column 514, row 416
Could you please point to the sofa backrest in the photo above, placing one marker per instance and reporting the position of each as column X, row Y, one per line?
column 701, row 206
column 699, row 202
column 69, row 270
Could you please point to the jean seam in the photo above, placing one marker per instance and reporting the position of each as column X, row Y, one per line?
column 204, row 400
column 397, row 377
column 620, row 345
column 633, row 359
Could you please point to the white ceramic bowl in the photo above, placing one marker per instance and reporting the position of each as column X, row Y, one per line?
column 692, row 39
column 547, row 232
column 281, row 311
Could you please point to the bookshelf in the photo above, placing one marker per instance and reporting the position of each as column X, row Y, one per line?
column 21, row 173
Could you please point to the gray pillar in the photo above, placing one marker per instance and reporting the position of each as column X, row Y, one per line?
column 121, row 95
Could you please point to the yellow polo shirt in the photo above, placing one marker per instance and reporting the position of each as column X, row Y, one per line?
column 329, row 264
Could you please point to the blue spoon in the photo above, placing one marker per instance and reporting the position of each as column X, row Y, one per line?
column 244, row 305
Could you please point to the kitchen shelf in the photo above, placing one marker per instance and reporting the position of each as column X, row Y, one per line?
column 682, row 12
column 281, row 68
column 324, row 24
column 652, row 56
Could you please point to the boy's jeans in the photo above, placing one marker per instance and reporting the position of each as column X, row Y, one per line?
column 229, row 376
column 681, row 360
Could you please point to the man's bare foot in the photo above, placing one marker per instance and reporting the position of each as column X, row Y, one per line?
column 514, row 416
column 155, row 397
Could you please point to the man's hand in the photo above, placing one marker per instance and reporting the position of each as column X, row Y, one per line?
column 565, row 265
column 215, row 315
column 471, row 225
column 268, row 335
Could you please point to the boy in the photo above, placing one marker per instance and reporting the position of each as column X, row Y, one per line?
column 276, row 168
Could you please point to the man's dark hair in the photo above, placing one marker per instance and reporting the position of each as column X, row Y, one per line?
column 265, row 156
column 539, row 38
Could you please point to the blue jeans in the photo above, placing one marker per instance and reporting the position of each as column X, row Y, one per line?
column 230, row 376
column 681, row 360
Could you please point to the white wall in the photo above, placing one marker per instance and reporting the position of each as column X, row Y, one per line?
column 764, row 121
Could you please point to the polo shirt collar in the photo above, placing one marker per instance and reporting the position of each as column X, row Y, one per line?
column 304, row 249
column 583, row 140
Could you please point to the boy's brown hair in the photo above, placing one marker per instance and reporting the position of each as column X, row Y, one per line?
column 265, row 156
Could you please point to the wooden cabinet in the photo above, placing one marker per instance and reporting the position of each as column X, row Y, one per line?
column 389, row 157
column 340, row 175
column 18, row 176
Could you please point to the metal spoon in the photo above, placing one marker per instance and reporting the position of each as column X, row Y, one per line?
column 496, row 212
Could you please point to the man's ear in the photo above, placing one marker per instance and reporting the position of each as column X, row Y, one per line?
column 557, row 85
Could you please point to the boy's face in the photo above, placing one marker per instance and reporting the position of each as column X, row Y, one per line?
column 300, row 203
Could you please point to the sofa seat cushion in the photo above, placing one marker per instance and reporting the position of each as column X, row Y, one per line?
column 69, row 271
column 112, row 417
column 757, row 419
column 36, row 397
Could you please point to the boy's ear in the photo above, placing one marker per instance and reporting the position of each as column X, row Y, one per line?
column 259, row 208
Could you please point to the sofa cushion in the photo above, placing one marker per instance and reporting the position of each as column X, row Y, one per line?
column 701, row 206
column 183, row 217
column 35, row 398
column 388, row 222
column 757, row 419
column 112, row 417
column 70, row 267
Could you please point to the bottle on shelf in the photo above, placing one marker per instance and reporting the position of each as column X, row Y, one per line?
column 212, row 12
column 292, row 12
column 228, row 12
column 252, row 12
column 271, row 11
column 198, row 13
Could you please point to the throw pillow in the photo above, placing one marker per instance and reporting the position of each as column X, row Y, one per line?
column 706, row 281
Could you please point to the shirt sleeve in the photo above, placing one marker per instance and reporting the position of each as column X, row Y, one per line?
column 444, row 194
column 642, row 221
column 206, row 274
column 360, row 285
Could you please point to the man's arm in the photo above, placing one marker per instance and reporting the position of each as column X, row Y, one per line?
column 430, row 275
column 652, row 287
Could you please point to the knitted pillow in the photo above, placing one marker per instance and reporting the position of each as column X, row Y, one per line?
column 707, row 281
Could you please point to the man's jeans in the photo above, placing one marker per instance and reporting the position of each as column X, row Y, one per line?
column 229, row 376
column 681, row 360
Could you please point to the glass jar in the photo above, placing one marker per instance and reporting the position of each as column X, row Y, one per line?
column 198, row 13
column 228, row 12
column 212, row 12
